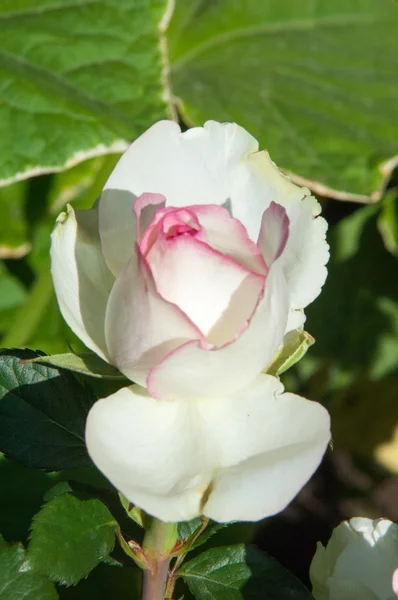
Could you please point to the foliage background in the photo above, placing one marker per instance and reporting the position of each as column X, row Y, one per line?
column 316, row 83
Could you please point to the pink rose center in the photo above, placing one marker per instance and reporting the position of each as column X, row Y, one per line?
column 179, row 222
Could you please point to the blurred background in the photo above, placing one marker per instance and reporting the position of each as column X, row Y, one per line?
column 317, row 84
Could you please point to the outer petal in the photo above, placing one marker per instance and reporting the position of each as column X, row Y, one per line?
column 192, row 371
column 269, row 445
column 81, row 278
column 216, row 164
column 242, row 457
column 141, row 327
column 150, row 451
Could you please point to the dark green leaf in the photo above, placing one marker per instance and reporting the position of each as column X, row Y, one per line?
column 16, row 581
column 280, row 69
column 187, row 528
column 78, row 80
column 240, row 572
column 42, row 413
column 70, row 537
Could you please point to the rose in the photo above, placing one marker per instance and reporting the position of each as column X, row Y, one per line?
column 196, row 261
column 360, row 562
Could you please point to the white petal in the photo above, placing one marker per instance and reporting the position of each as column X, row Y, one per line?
column 149, row 450
column 81, row 278
column 269, row 445
column 192, row 371
column 215, row 164
column 216, row 292
column 251, row 452
column 141, row 327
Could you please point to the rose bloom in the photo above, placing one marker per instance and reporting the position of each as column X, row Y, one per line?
column 360, row 562
column 196, row 261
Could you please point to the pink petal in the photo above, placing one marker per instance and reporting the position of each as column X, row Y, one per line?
column 229, row 236
column 274, row 232
column 141, row 327
column 145, row 208
column 194, row 372
column 218, row 294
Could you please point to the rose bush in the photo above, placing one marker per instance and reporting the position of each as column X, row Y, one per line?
column 360, row 562
column 196, row 261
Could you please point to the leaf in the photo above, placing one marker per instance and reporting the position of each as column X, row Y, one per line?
column 240, row 572
column 388, row 223
column 280, row 70
column 16, row 583
column 86, row 363
column 134, row 513
column 295, row 345
column 42, row 413
column 70, row 537
column 355, row 319
column 78, row 80
column 189, row 529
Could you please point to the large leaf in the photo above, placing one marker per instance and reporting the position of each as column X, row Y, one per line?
column 315, row 82
column 78, row 80
column 42, row 414
column 18, row 583
column 70, row 537
column 240, row 572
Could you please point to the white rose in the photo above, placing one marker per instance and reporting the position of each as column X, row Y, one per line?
column 359, row 562
column 196, row 261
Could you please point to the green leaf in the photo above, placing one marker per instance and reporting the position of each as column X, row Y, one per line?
column 135, row 513
column 296, row 344
column 70, row 537
column 355, row 318
column 388, row 222
column 86, row 363
column 42, row 413
column 240, row 572
column 78, row 80
column 18, row 583
column 280, row 69
column 188, row 529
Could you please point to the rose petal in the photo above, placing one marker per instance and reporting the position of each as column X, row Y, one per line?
column 145, row 208
column 216, row 292
column 192, row 371
column 149, row 450
column 227, row 235
column 268, row 446
column 216, row 164
column 141, row 327
column 251, row 452
column 81, row 278
column 274, row 233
